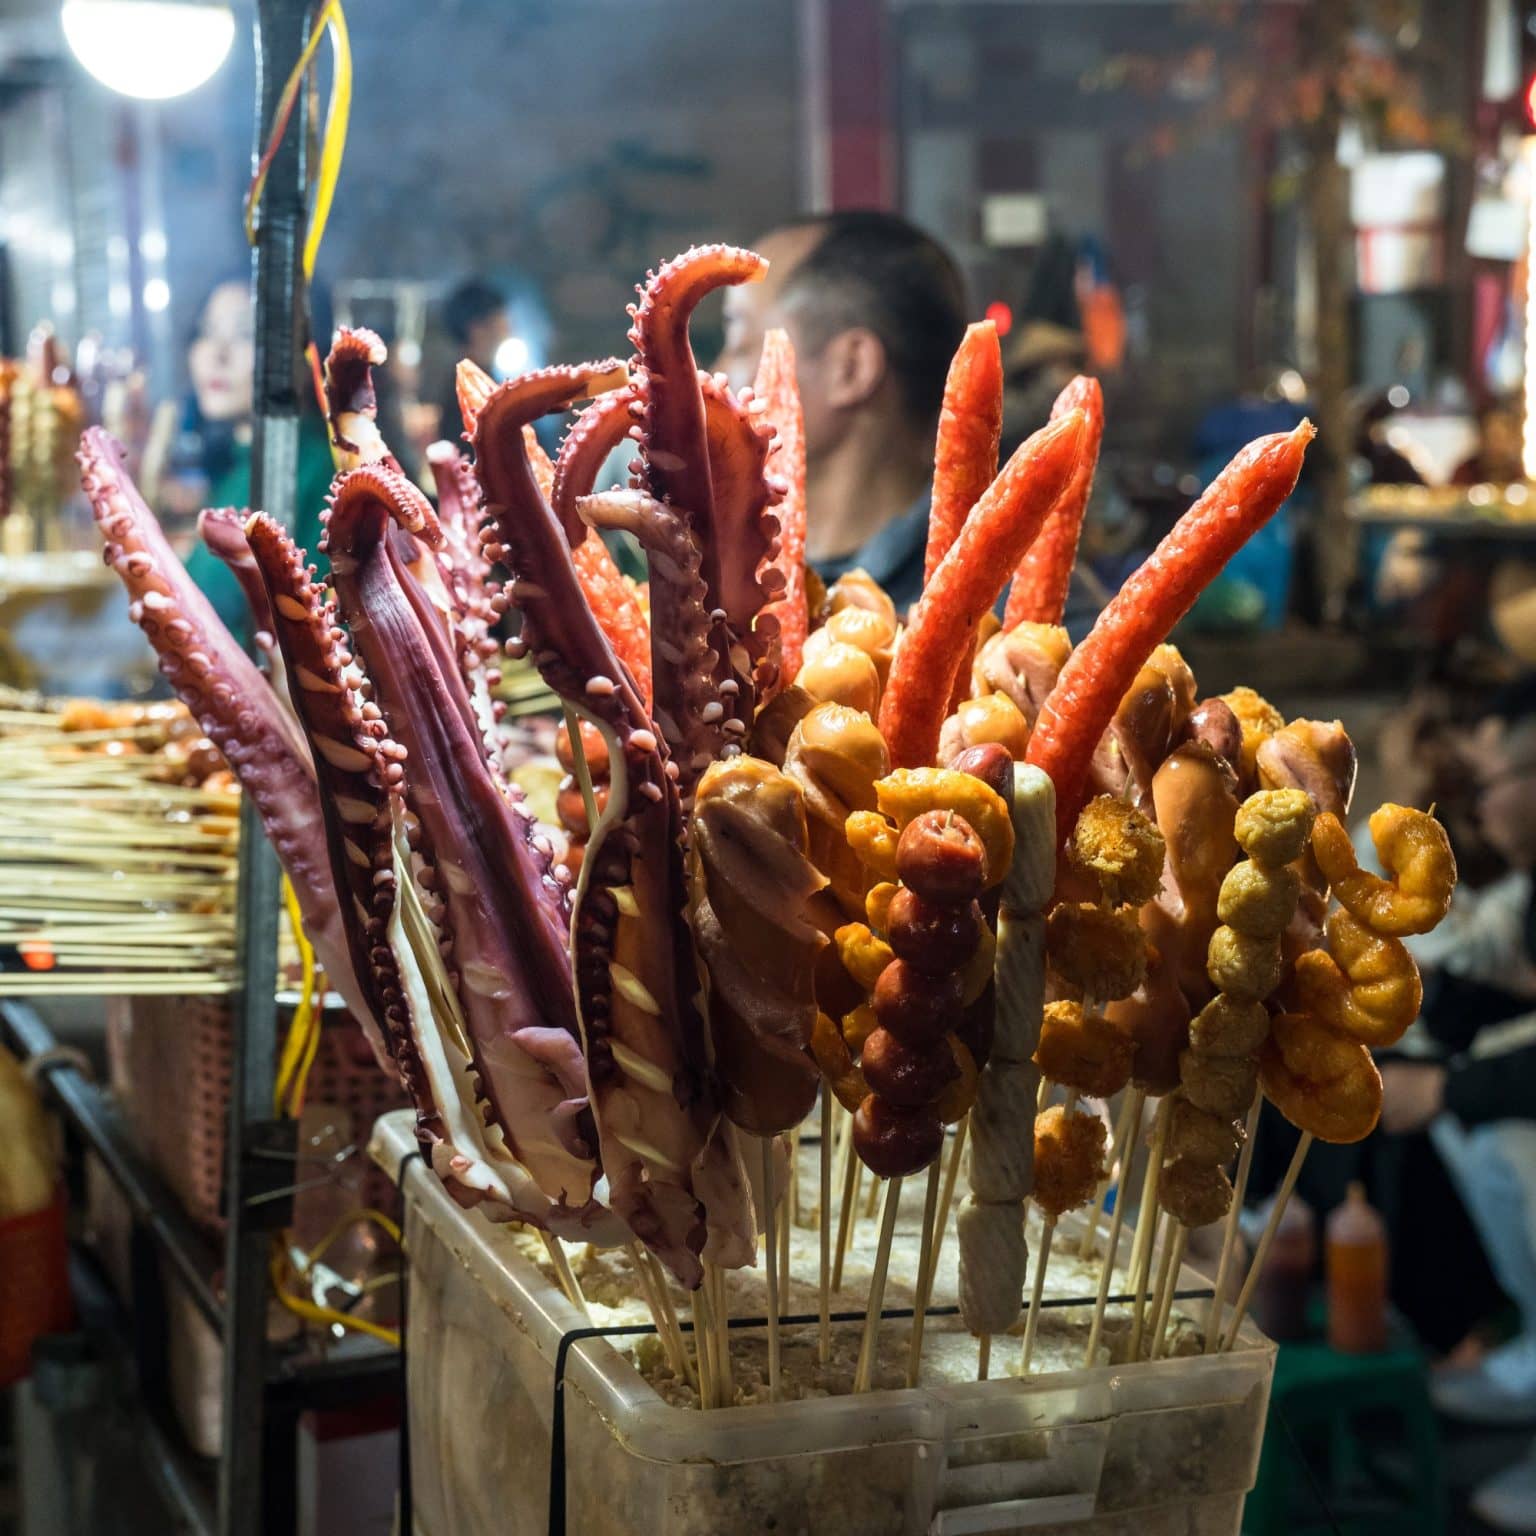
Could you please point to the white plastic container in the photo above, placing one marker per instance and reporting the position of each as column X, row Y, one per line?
column 1149, row 1449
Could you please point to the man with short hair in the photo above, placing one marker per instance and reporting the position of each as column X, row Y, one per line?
column 875, row 309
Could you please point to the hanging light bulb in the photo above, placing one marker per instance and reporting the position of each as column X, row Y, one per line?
column 151, row 49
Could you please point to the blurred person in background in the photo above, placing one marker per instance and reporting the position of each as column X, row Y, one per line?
column 475, row 323
column 1479, row 1102
column 875, row 309
column 210, row 464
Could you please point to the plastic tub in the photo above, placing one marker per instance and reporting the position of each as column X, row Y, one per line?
column 1167, row 1446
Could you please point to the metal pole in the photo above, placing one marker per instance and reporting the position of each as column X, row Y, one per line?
column 245, row 1505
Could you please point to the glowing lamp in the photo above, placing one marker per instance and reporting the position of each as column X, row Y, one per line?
column 151, row 49
column 1001, row 315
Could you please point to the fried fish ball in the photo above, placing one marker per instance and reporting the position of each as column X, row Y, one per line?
column 1224, row 1085
column 1197, row 1133
column 1259, row 720
column 1121, row 847
column 1194, row 1192
column 1320, row 1079
column 1087, row 1053
column 1103, row 954
column 1273, row 825
column 1069, row 1159
column 1257, row 899
column 1229, row 1026
column 1243, row 966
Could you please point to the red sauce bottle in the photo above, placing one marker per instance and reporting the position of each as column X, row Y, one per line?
column 1357, row 1276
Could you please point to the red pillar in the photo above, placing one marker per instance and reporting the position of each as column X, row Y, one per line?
column 846, row 75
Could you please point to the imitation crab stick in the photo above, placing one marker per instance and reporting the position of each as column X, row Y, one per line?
column 1039, row 591
column 970, row 429
column 780, row 395
column 966, row 584
column 1239, row 501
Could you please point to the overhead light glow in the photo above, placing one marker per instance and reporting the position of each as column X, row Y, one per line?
column 511, row 357
column 157, row 294
column 151, row 49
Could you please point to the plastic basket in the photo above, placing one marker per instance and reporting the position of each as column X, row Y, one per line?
column 170, row 1067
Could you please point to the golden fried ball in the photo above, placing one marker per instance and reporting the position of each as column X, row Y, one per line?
column 1101, row 953
column 1229, row 1026
column 1258, row 899
column 1197, row 1133
column 1273, row 825
column 1194, row 1193
column 1121, row 848
column 1242, row 966
column 1224, row 1085
column 1069, row 1159
column 1086, row 1053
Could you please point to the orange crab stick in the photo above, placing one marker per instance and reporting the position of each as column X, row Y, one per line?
column 1239, row 501
column 970, row 429
column 1039, row 591
column 966, row 584
column 780, row 394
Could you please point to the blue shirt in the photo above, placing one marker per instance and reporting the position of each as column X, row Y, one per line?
column 893, row 555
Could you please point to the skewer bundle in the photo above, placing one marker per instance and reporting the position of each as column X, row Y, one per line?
column 118, row 871
column 821, row 842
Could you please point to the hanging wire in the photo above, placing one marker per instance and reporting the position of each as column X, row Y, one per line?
column 333, row 23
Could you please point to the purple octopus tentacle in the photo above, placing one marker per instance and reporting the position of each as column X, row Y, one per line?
column 635, row 977
column 351, row 405
column 594, row 434
column 222, row 529
column 229, row 698
column 703, row 727
column 509, row 965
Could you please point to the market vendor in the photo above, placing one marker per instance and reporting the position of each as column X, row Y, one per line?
column 221, row 365
column 875, row 309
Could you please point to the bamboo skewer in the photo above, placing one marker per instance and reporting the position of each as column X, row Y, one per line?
column 983, row 1356
column 848, row 1209
column 794, row 1176
column 1112, row 1247
column 824, row 1226
column 1229, row 1233
column 720, row 1307
column 866, row 1367
column 704, row 1342
column 872, row 1199
column 565, row 1274
column 1037, row 1291
column 1163, row 1311
column 1146, row 1221
column 770, row 1232
column 785, row 1224
column 947, row 1201
column 925, row 1265
column 1282, row 1197
column 1130, row 1114
column 1166, row 1224
column 669, row 1313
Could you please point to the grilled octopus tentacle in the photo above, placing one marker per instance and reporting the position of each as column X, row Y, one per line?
column 229, row 698
column 635, row 978
column 351, row 405
column 702, row 728
column 675, row 438
column 490, row 888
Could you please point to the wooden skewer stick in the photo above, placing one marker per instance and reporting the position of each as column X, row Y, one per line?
column 676, row 1357
column 704, row 1342
column 872, row 1200
column 785, row 1222
column 1032, row 1322
column 866, row 1368
column 1234, row 1215
column 1155, row 1299
column 924, row 1274
column 1146, row 1221
column 1164, row 1311
column 1042, row 1096
column 565, row 1274
column 722, row 1312
column 824, row 1224
column 947, row 1200
column 1130, row 1114
column 983, row 1356
column 848, row 1212
column 1282, row 1196
column 669, row 1313
column 794, row 1176
column 770, row 1258
column 1112, row 1249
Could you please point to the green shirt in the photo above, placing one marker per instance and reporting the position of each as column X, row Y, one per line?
column 233, row 489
